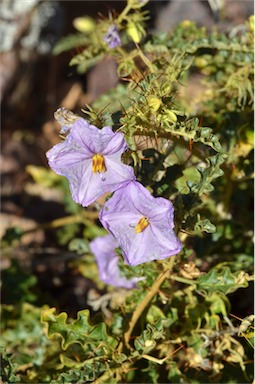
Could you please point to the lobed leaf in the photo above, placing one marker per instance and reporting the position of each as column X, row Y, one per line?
column 8, row 368
column 79, row 331
column 222, row 281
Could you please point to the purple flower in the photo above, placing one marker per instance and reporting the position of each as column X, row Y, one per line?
column 90, row 158
column 107, row 261
column 112, row 37
column 142, row 224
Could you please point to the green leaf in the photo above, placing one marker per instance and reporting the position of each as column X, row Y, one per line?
column 154, row 314
column 69, row 42
column 153, row 373
column 79, row 331
column 80, row 246
column 81, row 373
column 192, row 130
column 66, row 233
column 146, row 341
column 126, row 67
column 222, row 281
column 22, row 334
column 18, row 285
column 8, row 368
column 190, row 177
column 174, row 374
column 86, row 60
column 204, row 226
column 208, row 174
column 219, row 304
column 240, row 84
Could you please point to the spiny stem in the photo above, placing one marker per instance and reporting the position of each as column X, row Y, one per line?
column 124, row 13
column 139, row 310
column 145, row 59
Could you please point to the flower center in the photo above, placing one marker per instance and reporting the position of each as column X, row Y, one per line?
column 98, row 164
column 142, row 224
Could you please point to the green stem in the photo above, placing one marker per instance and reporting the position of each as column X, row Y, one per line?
column 145, row 59
column 124, row 13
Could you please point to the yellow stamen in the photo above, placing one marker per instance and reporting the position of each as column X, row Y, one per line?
column 98, row 164
column 142, row 224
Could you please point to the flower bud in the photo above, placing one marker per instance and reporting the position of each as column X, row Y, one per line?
column 149, row 343
column 154, row 103
column 84, row 24
column 134, row 32
column 251, row 23
column 137, row 3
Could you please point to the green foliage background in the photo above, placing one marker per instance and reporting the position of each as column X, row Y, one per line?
column 180, row 324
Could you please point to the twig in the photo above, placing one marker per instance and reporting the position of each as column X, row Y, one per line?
column 139, row 310
column 161, row 361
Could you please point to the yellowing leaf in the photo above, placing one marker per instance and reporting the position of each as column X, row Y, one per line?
column 172, row 116
column 43, row 176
